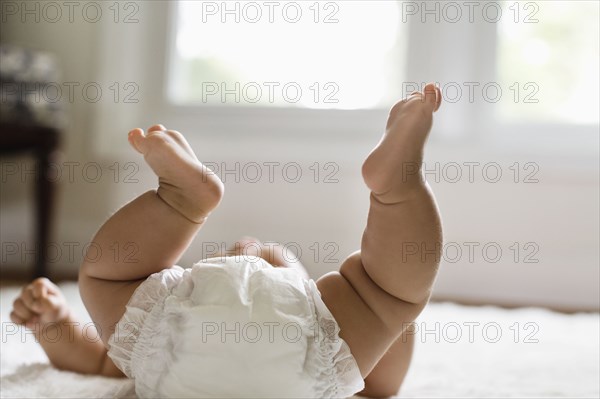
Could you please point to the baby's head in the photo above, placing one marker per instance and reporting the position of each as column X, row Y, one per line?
column 274, row 253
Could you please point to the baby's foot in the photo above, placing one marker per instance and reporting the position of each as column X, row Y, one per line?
column 184, row 183
column 393, row 169
column 39, row 303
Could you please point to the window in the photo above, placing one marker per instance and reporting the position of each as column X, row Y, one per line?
column 344, row 55
column 548, row 55
column 356, row 58
column 352, row 55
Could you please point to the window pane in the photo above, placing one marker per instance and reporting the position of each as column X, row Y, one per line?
column 344, row 55
column 548, row 58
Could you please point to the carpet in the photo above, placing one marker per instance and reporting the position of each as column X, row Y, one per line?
column 461, row 351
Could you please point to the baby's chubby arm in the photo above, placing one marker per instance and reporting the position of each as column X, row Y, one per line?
column 42, row 308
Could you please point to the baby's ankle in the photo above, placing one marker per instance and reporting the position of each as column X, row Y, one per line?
column 196, row 214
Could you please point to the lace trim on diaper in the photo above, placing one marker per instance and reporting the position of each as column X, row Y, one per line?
column 136, row 337
column 334, row 367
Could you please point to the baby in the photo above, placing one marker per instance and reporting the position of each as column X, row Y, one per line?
column 253, row 325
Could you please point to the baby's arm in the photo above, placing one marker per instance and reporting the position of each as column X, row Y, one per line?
column 42, row 308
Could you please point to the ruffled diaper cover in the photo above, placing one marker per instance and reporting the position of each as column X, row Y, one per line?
column 232, row 327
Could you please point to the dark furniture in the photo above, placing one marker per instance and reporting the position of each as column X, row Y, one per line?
column 42, row 142
column 31, row 122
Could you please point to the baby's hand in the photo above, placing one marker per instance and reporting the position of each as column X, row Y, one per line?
column 39, row 303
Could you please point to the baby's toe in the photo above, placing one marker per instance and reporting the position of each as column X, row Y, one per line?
column 430, row 95
column 143, row 143
column 158, row 127
column 438, row 98
column 137, row 140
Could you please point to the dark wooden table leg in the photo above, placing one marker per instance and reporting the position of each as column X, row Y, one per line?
column 45, row 192
column 44, row 142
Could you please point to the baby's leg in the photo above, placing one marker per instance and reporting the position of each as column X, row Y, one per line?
column 402, row 241
column 381, row 289
column 387, row 376
column 151, row 232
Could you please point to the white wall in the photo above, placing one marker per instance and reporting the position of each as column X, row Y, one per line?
column 559, row 214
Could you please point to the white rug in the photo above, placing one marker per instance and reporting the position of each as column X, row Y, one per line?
column 470, row 352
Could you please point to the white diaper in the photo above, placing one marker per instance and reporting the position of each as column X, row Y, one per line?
column 232, row 327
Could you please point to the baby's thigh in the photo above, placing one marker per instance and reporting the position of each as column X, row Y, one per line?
column 370, row 319
column 105, row 301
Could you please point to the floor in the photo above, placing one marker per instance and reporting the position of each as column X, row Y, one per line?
column 462, row 351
